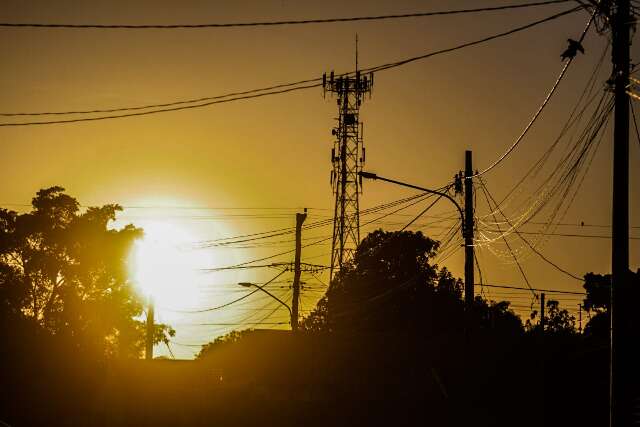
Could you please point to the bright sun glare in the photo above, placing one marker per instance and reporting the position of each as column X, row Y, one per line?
column 165, row 267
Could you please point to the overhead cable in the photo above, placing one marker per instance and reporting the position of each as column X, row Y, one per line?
column 557, row 291
column 524, row 276
column 167, row 104
column 542, row 106
column 250, row 94
column 635, row 124
column 471, row 43
column 164, row 110
column 278, row 23
column 490, row 199
column 230, row 302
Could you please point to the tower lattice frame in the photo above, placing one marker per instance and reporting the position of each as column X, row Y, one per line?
column 347, row 158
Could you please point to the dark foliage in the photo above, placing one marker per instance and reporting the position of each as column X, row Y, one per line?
column 391, row 286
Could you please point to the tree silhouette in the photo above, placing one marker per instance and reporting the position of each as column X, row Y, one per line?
column 222, row 341
column 496, row 315
column 66, row 271
column 391, row 285
column 598, row 301
column 557, row 321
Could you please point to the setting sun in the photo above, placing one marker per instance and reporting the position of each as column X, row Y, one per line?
column 165, row 268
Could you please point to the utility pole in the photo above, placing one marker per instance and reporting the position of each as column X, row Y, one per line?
column 468, row 231
column 542, row 314
column 580, row 318
column 542, row 360
column 623, row 373
column 296, row 270
column 150, row 327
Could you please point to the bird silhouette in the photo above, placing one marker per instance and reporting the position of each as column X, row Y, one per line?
column 572, row 49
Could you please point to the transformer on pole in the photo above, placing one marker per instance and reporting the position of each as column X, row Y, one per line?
column 347, row 158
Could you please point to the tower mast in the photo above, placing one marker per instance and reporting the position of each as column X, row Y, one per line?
column 347, row 158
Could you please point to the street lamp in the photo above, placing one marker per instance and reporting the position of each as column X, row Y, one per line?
column 261, row 288
column 468, row 283
column 371, row 175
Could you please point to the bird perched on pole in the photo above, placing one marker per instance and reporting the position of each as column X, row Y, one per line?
column 572, row 49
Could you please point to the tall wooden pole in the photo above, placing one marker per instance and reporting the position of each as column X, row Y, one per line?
column 542, row 319
column 580, row 318
column 468, row 231
column 623, row 372
column 542, row 359
column 150, row 327
column 296, row 270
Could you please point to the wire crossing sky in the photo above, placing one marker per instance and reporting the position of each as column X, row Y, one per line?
column 278, row 23
column 282, row 88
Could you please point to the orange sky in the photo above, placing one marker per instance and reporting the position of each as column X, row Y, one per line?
column 274, row 152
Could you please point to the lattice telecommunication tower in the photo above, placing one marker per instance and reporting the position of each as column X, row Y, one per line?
column 347, row 158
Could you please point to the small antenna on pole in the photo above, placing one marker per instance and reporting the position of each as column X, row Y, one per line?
column 356, row 52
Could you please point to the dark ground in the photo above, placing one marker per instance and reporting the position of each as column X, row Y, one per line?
column 337, row 380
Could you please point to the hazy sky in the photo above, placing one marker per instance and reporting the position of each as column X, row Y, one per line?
column 273, row 152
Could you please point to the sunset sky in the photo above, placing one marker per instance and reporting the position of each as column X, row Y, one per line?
column 249, row 166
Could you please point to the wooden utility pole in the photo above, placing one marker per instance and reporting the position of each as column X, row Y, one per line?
column 296, row 271
column 542, row 359
column 623, row 373
column 468, row 231
column 150, row 327
column 542, row 314
column 580, row 318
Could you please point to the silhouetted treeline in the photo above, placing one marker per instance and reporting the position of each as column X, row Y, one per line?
column 67, row 307
column 389, row 344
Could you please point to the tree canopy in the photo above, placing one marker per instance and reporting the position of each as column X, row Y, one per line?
column 391, row 284
column 598, row 301
column 66, row 271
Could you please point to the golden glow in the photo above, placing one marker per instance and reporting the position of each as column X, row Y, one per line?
column 166, row 268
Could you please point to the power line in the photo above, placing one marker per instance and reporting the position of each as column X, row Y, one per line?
column 475, row 257
column 230, row 302
column 484, row 189
column 290, row 230
column 569, row 169
column 177, row 105
column 542, row 106
column 167, row 104
column 489, row 196
column 635, row 123
column 233, row 323
column 187, row 344
column 164, row 110
column 589, row 236
column 574, row 117
column 471, row 43
column 247, row 264
column 169, row 348
column 278, row 23
column 421, row 213
column 287, row 215
column 557, row 291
